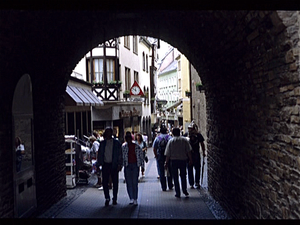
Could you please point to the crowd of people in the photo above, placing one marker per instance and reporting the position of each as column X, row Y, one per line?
column 173, row 152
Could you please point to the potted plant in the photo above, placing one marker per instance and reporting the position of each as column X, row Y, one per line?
column 95, row 83
column 188, row 93
column 199, row 87
column 126, row 93
column 115, row 82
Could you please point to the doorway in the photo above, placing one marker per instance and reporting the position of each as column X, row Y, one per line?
column 23, row 150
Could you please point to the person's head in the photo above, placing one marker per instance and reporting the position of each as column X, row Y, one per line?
column 163, row 129
column 176, row 132
column 108, row 133
column 192, row 128
column 92, row 139
column 139, row 137
column 18, row 141
column 96, row 134
column 128, row 137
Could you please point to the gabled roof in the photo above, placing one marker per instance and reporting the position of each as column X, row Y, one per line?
column 171, row 67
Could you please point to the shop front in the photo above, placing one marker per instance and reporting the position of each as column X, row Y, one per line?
column 122, row 117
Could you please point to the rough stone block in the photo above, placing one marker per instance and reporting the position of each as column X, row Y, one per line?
column 295, row 119
column 289, row 57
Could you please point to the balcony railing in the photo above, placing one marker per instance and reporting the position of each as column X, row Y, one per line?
column 107, row 92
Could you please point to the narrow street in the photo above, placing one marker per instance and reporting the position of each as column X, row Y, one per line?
column 88, row 202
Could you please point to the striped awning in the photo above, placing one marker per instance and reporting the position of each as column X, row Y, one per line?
column 83, row 97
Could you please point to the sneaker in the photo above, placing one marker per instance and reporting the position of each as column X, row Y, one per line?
column 177, row 196
column 131, row 202
column 198, row 186
column 135, row 202
column 107, row 202
column 100, row 188
column 192, row 187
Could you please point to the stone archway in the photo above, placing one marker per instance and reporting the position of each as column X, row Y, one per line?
column 248, row 61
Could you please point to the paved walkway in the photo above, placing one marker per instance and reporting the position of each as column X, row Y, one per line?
column 153, row 203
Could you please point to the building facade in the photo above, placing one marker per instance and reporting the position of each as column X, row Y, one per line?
column 116, row 65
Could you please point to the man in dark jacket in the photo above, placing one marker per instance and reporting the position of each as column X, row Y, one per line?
column 110, row 158
column 196, row 140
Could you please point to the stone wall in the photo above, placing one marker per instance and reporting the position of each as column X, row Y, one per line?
column 253, row 120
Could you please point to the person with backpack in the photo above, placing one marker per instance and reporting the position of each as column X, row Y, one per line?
column 159, row 147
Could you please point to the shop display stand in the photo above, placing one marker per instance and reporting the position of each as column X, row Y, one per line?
column 70, row 162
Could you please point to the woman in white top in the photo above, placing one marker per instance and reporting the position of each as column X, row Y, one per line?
column 140, row 141
column 20, row 151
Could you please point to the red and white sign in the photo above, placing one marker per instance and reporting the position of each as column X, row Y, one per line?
column 135, row 90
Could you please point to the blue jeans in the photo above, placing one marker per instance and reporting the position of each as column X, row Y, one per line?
column 181, row 166
column 157, row 166
column 131, row 173
column 162, row 176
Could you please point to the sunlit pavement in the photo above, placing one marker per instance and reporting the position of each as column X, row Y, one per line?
column 153, row 203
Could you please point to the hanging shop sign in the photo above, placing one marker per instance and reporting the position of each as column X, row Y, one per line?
column 129, row 113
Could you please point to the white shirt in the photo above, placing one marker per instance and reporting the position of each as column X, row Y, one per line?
column 95, row 146
column 20, row 148
column 108, row 151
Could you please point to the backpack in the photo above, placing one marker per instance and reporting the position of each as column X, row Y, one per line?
column 162, row 146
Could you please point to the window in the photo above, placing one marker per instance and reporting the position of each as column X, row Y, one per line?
column 110, row 67
column 135, row 45
column 98, row 70
column 136, row 76
column 127, row 42
column 147, row 63
column 144, row 64
column 127, row 79
column 179, row 83
column 179, row 65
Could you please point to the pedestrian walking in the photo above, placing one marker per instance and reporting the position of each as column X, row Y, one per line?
column 140, row 141
column 20, row 151
column 178, row 151
column 133, row 159
column 110, row 158
column 94, row 155
column 195, row 140
column 159, row 146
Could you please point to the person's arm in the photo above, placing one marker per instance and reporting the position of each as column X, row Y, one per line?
column 145, row 147
column 155, row 147
column 203, row 148
column 167, row 154
column 189, row 150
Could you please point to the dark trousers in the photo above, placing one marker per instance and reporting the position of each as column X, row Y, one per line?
column 107, row 171
column 162, row 175
column 197, row 166
column 181, row 166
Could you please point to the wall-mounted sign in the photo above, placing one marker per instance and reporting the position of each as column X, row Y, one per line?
column 129, row 113
column 135, row 90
